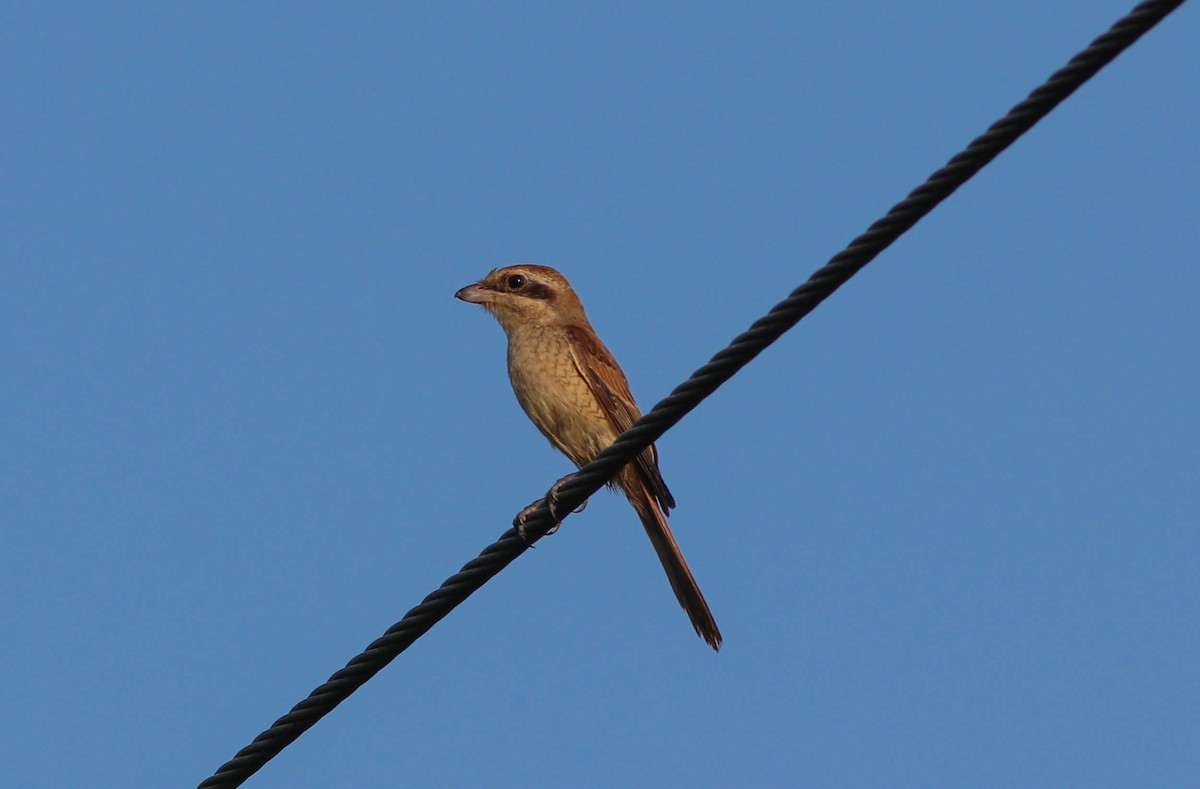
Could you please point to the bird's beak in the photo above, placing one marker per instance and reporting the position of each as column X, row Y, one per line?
column 476, row 294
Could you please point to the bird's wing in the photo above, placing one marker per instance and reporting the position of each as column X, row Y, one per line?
column 611, row 390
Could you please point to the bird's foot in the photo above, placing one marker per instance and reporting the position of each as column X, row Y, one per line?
column 552, row 502
column 551, row 499
column 522, row 516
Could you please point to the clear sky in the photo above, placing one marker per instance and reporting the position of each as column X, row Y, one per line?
column 948, row 525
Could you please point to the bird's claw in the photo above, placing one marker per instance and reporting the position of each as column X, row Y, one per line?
column 523, row 515
column 551, row 499
column 519, row 521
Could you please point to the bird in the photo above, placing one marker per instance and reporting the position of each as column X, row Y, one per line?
column 571, row 387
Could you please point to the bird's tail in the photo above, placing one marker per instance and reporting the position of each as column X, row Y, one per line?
column 686, row 589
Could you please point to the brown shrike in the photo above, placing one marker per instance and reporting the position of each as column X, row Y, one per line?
column 574, row 391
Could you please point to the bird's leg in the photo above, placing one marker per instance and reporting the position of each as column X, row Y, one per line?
column 551, row 499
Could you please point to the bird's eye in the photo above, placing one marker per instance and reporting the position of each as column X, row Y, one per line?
column 515, row 282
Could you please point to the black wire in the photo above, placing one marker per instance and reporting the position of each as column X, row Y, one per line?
column 783, row 316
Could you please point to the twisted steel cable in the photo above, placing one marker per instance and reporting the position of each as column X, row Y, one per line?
column 574, row 489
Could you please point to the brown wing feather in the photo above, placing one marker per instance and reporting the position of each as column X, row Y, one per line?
column 611, row 389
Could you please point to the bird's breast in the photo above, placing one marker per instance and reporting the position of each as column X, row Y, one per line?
column 555, row 396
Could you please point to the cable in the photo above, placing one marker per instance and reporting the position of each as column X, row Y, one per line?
column 575, row 488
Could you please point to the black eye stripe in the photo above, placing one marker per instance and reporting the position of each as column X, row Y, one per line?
column 536, row 290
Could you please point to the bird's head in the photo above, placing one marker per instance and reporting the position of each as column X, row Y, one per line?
column 526, row 295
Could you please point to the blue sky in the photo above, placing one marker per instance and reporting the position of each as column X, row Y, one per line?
column 948, row 525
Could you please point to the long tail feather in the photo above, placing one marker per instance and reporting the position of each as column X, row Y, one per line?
column 687, row 591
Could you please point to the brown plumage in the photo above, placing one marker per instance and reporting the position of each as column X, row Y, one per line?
column 572, row 388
